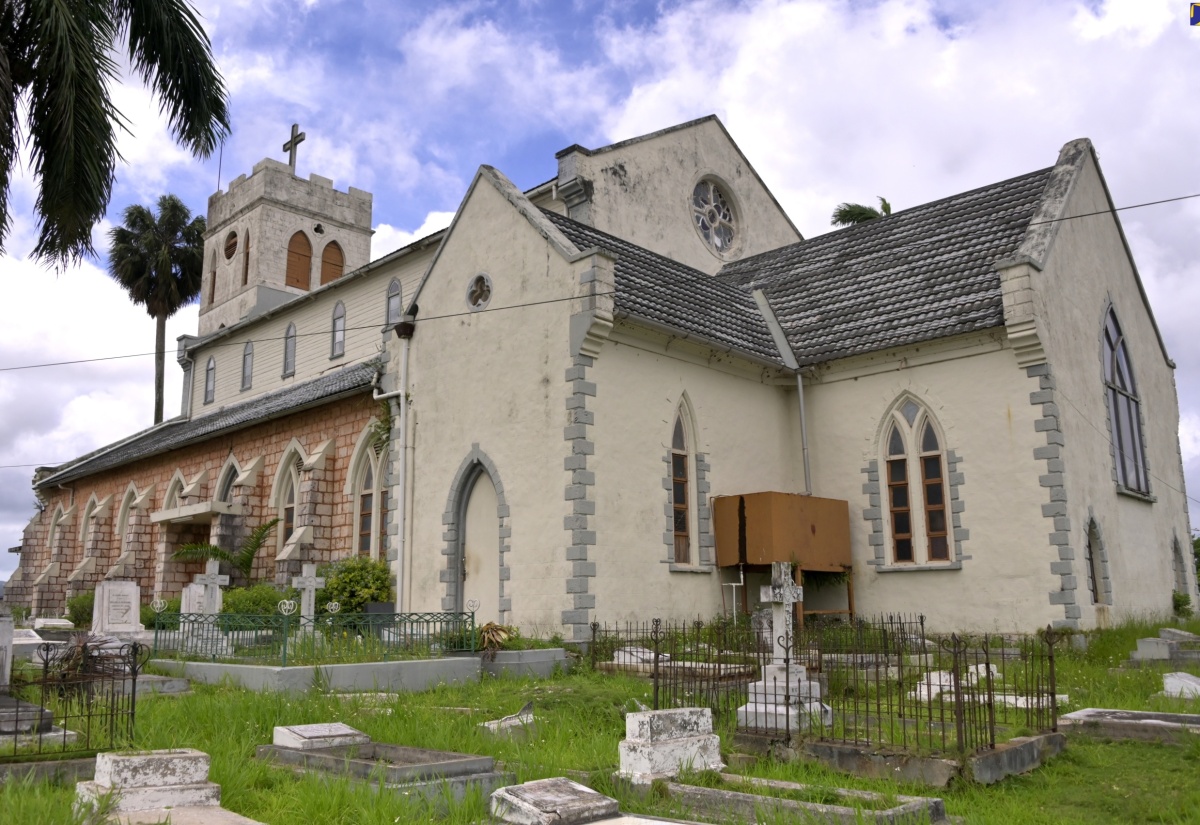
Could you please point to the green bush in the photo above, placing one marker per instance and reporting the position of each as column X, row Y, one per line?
column 148, row 614
column 258, row 599
column 1181, row 604
column 79, row 608
column 353, row 582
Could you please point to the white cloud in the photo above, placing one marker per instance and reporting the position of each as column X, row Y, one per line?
column 389, row 238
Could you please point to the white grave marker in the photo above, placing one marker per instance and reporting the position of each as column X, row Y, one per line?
column 118, row 605
column 311, row 737
column 6, row 648
column 782, row 594
column 308, row 583
column 212, row 582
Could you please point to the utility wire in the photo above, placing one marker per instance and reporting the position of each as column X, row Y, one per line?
column 941, row 239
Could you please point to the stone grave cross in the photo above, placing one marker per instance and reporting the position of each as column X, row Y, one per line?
column 212, row 583
column 782, row 594
column 290, row 147
column 308, row 583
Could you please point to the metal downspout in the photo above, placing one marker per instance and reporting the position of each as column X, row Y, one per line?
column 789, row 361
column 399, row 400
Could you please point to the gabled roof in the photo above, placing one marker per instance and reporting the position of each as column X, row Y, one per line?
column 924, row 273
column 653, row 288
column 179, row 432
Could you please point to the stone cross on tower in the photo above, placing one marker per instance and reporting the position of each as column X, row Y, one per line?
column 212, row 587
column 307, row 583
column 782, row 594
column 290, row 147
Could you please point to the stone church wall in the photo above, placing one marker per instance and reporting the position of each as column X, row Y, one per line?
column 332, row 510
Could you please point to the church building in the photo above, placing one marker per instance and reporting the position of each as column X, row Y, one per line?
column 620, row 394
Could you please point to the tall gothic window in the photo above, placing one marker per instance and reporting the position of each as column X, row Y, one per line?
column 1124, row 420
column 916, row 488
column 246, row 260
column 299, row 262
column 210, row 380
column 289, row 351
column 337, row 344
column 681, row 492
column 332, row 262
column 212, row 279
column 287, row 503
column 393, row 303
column 247, row 365
column 225, row 489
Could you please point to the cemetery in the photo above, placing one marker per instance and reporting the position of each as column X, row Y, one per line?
column 196, row 716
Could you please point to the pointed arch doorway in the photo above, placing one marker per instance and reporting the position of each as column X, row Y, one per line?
column 477, row 531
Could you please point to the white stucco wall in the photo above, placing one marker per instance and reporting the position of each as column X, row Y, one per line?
column 641, row 190
column 1087, row 271
column 744, row 427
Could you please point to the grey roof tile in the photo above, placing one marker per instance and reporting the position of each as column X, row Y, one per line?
column 924, row 273
column 659, row 289
column 179, row 432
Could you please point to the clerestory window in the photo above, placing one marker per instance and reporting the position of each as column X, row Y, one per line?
column 210, row 380
column 393, row 303
column 337, row 344
column 247, row 365
column 289, row 351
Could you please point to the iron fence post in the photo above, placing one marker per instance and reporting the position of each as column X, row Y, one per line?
column 592, row 649
column 285, row 639
column 655, row 635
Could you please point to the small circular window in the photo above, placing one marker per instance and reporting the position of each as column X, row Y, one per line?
column 713, row 214
column 479, row 291
column 230, row 245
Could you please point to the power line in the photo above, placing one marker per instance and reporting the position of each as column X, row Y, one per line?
column 700, row 278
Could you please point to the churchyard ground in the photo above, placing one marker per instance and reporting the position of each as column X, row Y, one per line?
column 580, row 723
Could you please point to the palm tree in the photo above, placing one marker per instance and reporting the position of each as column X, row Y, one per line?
column 849, row 214
column 56, row 64
column 158, row 259
column 241, row 560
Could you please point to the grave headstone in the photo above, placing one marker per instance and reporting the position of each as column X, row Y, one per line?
column 308, row 583
column 192, row 599
column 6, row 650
column 519, row 723
column 213, row 581
column 118, row 607
column 660, row 743
column 557, row 801
column 312, row 737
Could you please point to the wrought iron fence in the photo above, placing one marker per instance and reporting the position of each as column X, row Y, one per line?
column 287, row 639
column 73, row 699
column 878, row 682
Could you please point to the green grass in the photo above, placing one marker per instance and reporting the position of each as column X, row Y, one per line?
column 581, row 720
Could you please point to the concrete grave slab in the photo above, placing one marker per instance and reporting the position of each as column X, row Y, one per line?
column 1181, row 685
column 1132, row 724
column 661, row 743
column 152, row 781
column 312, row 737
column 557, row 801
column 52, row 624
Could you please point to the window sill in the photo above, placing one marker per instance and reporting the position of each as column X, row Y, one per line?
column 919, row 568
column 1146, row 497
column 689, row 568
column 337, row 356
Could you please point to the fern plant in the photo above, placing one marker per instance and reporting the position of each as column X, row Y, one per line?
column 241, row 560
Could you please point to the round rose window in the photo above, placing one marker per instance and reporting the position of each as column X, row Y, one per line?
column 713, row 215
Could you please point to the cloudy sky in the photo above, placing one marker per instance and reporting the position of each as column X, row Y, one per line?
column 831, row 101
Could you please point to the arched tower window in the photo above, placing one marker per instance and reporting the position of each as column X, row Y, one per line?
column 246, row 260
column 916, row 487
column 212, row 279
column 299, row 262
column 332, row 262
column 337, row 343
column 210, row 380
column 247, row 365
column 393, row 302
column 1124, row 419
column 289, row 351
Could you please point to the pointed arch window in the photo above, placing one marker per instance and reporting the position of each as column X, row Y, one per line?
column 337, row 344
column 287, row 503
column 247, row 365
column 332, row 262
column 1124, row 410
column 299, row 262
column 394, row 296
column 915, row 473
column 289, row 351
column 681, row 509
column 210, row 380
column 225, row 488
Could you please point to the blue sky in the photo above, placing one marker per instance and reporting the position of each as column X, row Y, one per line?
column 831, row 101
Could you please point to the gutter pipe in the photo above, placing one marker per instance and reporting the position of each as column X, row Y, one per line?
column 404, row 331
column 789, row 361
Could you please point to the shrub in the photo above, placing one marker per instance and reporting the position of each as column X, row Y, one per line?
column 353, row 582
column 79, row 608
column 1181, row 604
column 258, row 599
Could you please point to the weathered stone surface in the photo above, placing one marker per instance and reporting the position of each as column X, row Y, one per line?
column 1181, row 685
column 148, row 769
column 6, row 649
column 655, row 725
column 52, row 624
column 1152, row 649
column 557, row 801
column 1132, row 724
column 204, row 794
column 1019, row 755
column 311, row 737
column 659, row 743
column 117, row 608
column 634, row 655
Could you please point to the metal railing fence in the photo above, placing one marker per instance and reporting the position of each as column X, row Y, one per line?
column 289, row 639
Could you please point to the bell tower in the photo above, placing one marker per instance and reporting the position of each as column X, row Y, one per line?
column 273, row 236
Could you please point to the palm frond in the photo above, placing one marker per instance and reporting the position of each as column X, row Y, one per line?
column 243, row 559
column 202, row 552
column 849, row 214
